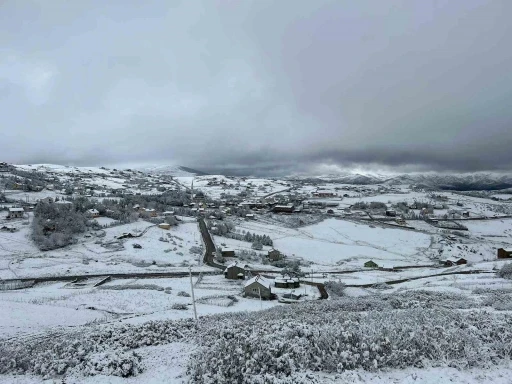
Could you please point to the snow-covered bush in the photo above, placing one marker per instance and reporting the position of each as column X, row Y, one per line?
column 335, row 288
column 82, row 350
column 506, row 271
column 179, row 306
column 195, row 250
column 282, row 341
column 122, row 364
column 183, row 294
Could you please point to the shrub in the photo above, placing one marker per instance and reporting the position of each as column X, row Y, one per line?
column 506, row 271
column 335, row 288
column 183, row 294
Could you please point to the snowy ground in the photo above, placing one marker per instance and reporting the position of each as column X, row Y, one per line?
column 332, row 245
column 19, row 257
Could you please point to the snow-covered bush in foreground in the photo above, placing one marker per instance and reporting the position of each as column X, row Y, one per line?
column 283, row 344
column 100, row 350
column 324, row 337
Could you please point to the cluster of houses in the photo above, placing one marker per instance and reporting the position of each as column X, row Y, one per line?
column 446, row 262
column 4, row 167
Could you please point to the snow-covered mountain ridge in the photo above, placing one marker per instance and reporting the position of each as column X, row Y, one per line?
column 450, row 181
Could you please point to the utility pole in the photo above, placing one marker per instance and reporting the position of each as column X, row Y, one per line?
column 192, row 289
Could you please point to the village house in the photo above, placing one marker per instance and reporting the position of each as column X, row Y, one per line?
column 390, row 213
column 258, row 287
column 15, row 213
column 400, row 220
column 93, row 213
column 503, row 254
column 8, row 228
column 287, row 281
column 234, row 272
column 228, row 252
column 274, row 255
column 371, row 264
column 285, row 208
column 465, row 214
column 151, row 212
column 324, row 194
column 452, row 262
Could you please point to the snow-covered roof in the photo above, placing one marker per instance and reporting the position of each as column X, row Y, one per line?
column 233, row 264
column 258, row 279
column 289, row 205
column 16, row 210
column 93, row 211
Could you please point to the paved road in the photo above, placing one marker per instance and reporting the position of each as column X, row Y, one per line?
column 209, row 245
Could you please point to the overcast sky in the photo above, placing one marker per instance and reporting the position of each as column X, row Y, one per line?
column 277, row 86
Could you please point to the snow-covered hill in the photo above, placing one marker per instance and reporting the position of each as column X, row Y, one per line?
column 170, row 170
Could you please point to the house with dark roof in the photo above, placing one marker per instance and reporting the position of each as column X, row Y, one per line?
column 234, row 272
column 258, row 287
column 503, row 254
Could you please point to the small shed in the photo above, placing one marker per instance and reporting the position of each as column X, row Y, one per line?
column 228, row 252
column 274, row 255
column 234, row 272
column 465, row 214
column 292, row 296
column 258, row 287
column 15, row 213
column 287, row 282
column 390, row 213
column 503, row 254
column 371, row 264
column 165, row 226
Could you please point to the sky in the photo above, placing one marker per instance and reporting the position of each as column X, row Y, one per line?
column 258, row 86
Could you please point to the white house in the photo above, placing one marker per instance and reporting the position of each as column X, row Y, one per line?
column 93, row 213
column 15, row 213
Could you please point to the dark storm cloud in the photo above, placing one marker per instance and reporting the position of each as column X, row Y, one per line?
column 258, row 86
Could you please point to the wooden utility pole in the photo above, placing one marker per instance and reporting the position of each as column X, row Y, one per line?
column 192, row 289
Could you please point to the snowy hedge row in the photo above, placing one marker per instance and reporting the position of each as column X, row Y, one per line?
column 102, row 349
column 270, row 345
